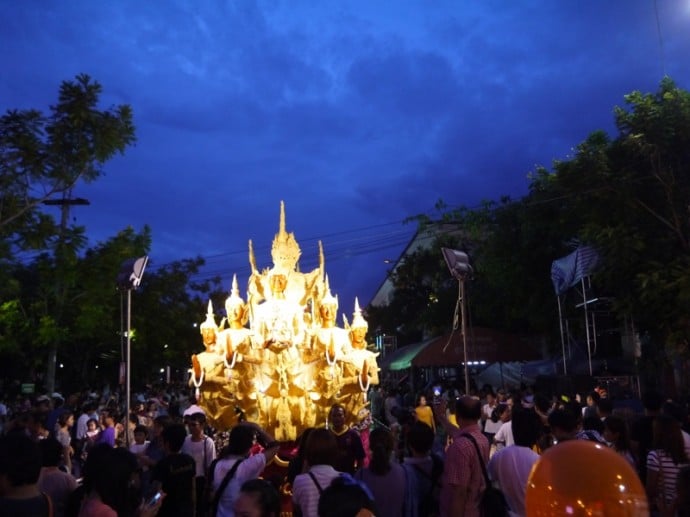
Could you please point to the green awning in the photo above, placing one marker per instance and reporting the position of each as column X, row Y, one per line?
column 402, row 358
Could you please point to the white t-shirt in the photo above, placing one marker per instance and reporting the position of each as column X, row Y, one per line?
column 504, row 436
column 489, row 425
column 250, row 468
column 203, row 452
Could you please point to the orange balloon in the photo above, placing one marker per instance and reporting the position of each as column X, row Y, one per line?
column 583, row 478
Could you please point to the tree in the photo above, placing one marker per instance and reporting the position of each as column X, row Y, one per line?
column 43, row 156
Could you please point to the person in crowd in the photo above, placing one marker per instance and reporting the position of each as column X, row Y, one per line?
column 385, row 479
column 53, row 481
column 349, row 443
column 617, row 436
column 321, row 456
column 37, row 425
column 664, row 461
column 345, row 497
column 604, row 409
column 682, row 504
column 491, row 422
column 422, row 473
column 235, row 463
column 58, row 405
column 297, row 464
column 154, row 452
column 203, row 450
column 108, row 435
column 504, row 435
column 641, row 432
column 510, row 467
column 257, row 498
column 389, row 403
column 64, row 437
column 463, row 481
column 678, row 412
column 590, row 407
column 591, row 429
column 563, row 425
column 20, row 467
column 174, row 474
column 109, row 488
column 424, row 412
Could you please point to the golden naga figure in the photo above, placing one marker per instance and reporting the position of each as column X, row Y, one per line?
column 282, row 362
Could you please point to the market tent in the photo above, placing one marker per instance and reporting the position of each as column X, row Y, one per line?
column 402, row 358
column 483, row 344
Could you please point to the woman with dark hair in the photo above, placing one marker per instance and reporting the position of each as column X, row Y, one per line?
column 297, row 464
column 64, row 424
column 385, row 479
column 108, row 489
column 346, row 497
column 321, row 455
column 235, row 466
column 257, row 498
column 616, row 434
column 664, row 461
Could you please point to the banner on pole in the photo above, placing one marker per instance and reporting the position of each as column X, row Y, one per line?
column 569, row 270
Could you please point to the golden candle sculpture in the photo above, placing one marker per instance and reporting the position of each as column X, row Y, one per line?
column 282, row 361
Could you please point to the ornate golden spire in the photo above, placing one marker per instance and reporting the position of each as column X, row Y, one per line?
column 210, row 322
column 358, row 320
column 285, row 250
column 328, row 298
column 234, row 297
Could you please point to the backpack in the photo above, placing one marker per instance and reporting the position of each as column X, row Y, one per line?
column 429, row 502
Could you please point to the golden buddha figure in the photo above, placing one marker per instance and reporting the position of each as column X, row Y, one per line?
column 285, row 252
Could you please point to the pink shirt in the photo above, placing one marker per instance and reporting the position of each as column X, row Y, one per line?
column 462, row 471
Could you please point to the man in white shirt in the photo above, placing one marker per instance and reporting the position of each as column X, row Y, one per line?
column 241, row 440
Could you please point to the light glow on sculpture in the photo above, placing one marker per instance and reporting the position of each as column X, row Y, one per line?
column 282, row 361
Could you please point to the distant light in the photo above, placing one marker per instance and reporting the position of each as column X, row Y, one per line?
column 194, row 325
column 388, row 261
column 62, row 365
column 162, row 370
column 165, row 346
column 96, row 366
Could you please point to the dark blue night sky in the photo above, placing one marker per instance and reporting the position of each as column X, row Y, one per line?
column 358, row 114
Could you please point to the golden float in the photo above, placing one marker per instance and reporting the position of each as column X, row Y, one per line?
column 282, row 361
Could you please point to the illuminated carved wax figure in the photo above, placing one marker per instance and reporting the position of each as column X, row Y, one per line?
column 207, row 366
column 241, row 358
column 286, row 370
column 360, row 369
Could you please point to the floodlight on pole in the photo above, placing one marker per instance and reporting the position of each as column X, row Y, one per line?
column 458, row 263
column 129, row 278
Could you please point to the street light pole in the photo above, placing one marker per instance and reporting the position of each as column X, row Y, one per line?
column 459, row 265
column 129, row 278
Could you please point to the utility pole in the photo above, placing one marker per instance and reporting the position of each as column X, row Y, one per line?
column 60, row 289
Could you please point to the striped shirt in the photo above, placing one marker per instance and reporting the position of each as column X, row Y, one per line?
column 659, row 461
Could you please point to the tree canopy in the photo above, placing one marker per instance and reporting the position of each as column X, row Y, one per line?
column 628, row 196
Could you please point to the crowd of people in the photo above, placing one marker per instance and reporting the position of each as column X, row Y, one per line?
column 422, row 455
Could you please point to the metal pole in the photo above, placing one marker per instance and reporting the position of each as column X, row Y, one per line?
column 584, row 304
column 464, row 334
column 560, row 324
column 128, row 395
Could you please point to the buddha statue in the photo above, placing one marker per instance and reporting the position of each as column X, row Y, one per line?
column 285, row 252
